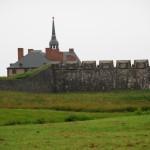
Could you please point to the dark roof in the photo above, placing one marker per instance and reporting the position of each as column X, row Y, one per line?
column 33, row 59
column 37, row 58
column 65, row 54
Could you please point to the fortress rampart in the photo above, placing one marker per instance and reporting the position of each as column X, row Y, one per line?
column 86, row 76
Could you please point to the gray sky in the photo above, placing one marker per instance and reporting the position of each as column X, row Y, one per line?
column 96, row 29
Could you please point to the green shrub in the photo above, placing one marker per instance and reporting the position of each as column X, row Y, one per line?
column 40, row 121
column 77, row 118
column 146, row 108
column 130, row 109
column 12, row 122
column 138, row 111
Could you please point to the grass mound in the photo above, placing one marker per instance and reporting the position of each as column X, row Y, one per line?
column 27, row 74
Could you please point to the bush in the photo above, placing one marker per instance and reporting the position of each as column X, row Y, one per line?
column 130, row 109
column 138, row 111
column 77, row 118
column 40, row 121
column 146, row 108
column 12, row 122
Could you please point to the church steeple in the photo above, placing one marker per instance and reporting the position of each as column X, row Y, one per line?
column 53, row 42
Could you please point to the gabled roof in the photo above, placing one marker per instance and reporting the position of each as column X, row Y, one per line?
column 37, row 58
column 33, row 59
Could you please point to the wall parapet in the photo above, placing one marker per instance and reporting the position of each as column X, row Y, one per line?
column 106, row 64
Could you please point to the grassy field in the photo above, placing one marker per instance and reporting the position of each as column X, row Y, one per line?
column 42, row 116
column 117, row 120
column 116, row 101
column 120, row 133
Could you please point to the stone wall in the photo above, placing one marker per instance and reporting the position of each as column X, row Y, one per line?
column 85, row 77
column 42, row 82
column 97, row 79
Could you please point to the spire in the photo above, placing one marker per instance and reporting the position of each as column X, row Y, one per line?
column 53, row 42
column 53, row 28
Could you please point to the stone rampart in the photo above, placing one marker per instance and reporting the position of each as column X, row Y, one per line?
column 85, row 77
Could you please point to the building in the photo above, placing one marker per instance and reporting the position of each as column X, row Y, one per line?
column 37, row 58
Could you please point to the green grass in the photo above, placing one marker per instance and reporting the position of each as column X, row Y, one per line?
column 117, row 120
column 115, row 101
column 41, row 116
column 120, row 133
column 27, row 74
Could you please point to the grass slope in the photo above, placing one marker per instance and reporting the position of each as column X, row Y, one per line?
column 29, row 73
column 42, row 129
column 121, row 133
column 41, row 116
column 115, row 101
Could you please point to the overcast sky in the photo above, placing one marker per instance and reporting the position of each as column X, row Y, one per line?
column 96, row 29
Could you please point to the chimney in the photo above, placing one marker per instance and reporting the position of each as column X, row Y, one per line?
column 71, row 50
column 20, row 53
column 30, row 50
column 47, row 51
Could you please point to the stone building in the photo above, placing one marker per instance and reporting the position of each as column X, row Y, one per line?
column 37, row 58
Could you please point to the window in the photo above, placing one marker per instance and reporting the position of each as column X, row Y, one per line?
column 13, row 71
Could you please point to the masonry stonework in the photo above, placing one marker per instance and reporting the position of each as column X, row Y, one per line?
column 85, row 77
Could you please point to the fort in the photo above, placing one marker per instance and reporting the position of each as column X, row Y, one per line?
column 86, row 76
column 67, row 73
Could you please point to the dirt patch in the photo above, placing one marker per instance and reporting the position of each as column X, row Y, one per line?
column 93, row 145
column 2, row 140
column 130, row 145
